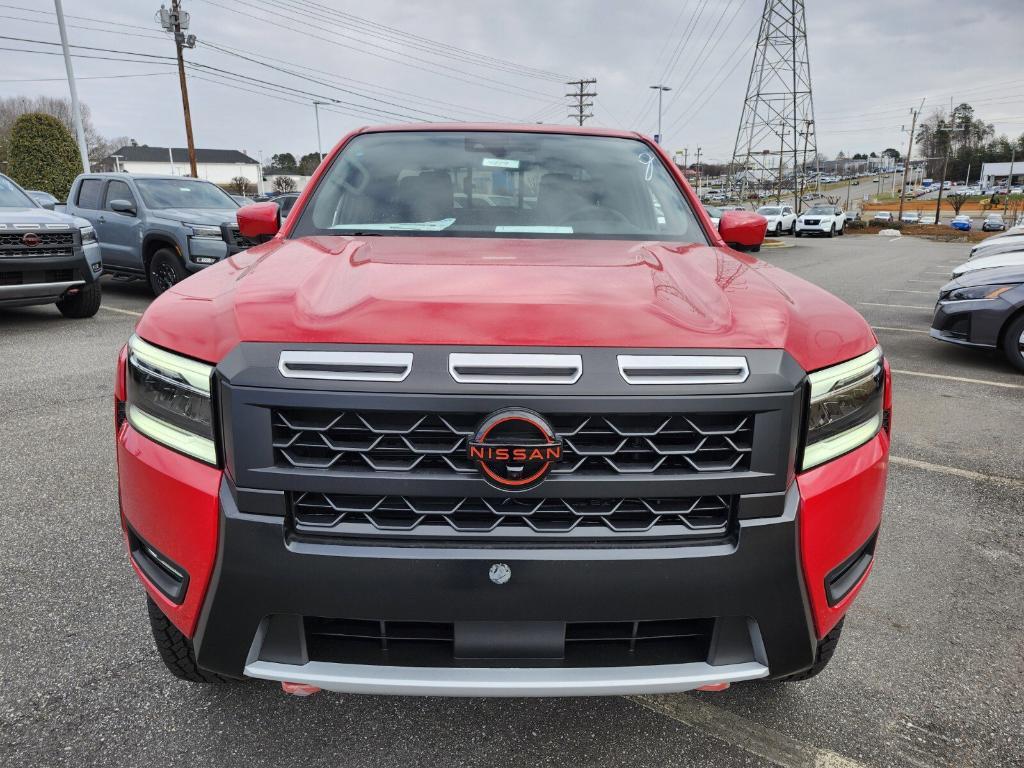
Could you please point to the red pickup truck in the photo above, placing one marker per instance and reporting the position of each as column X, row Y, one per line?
column 498, row 411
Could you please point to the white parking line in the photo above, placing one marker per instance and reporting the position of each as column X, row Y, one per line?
column 122, row 311
column 904, row 290
column 903, row 330
column 748, row 735
column 965, row 473
column 927, row 282
column 897, row 306
column 961, row 379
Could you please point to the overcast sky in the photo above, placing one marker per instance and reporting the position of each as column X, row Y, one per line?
column 871, row 61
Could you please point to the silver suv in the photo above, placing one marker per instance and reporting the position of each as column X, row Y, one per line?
column 160, row 228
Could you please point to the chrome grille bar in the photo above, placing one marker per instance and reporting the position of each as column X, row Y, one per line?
column 469, row 368
column 683, row 369
column 345, row 366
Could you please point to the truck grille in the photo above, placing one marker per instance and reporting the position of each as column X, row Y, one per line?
column 20, row 277
column 321, row 514
column 235, row 239
column 606, row 444
column 50, row 245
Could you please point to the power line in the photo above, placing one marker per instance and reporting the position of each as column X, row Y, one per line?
column 89, row 77
column 417, row 42
column 414, row 61
column 227, row 50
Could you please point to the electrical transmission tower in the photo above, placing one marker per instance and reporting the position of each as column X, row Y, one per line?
column 777, row 124
column 578, row 100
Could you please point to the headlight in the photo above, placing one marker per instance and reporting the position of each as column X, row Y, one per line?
column 845, row 408
column 201, row 230
column 979, row 292
column 168, row 400
column 88, row 235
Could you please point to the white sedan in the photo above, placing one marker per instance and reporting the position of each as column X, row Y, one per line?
column 821, row 220
column 781, row 218
column 1011, row 259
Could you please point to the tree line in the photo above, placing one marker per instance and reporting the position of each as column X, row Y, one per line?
column 967, row 141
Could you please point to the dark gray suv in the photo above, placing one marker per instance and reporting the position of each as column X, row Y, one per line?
column 161, row 228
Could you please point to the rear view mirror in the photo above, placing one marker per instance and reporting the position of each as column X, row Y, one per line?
column 742, row 230
column 259, row 220
column 123, row 206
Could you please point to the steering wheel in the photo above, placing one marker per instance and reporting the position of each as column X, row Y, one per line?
column 603, row 214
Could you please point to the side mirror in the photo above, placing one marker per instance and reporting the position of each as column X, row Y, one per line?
column 48, row 205
column 259, row 220
column 123, row 206
column 742, row 230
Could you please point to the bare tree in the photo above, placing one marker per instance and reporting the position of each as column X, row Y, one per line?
column 240, row 184
column 284, row 184
column 957, row 201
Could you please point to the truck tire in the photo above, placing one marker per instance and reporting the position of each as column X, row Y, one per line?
column 176, row 650
column 164, row 270
column 85, row 303
column 1013, row 343
column 826, row 648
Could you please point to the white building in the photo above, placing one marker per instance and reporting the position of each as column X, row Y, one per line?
column 217, row 165
column 998, row 174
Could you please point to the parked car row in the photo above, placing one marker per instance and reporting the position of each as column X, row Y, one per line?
column 983, row 305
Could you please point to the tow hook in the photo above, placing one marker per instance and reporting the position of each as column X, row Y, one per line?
column 713, row 687
column 298, row 689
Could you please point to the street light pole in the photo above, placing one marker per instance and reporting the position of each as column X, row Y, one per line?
column 660, row 89
column 76, row 110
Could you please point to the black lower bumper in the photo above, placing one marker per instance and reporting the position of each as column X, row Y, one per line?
column 263, row 580
column 38, row 280
column 970, row 323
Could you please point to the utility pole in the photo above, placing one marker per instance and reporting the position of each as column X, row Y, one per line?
column 1009, row 179
column 76, row 110
column 580, row 96
column 176, row 21
column 849, row 183
column 319, row 146
column 698, row 172
column 906, row 162
column 798, row 188
column 660, row 89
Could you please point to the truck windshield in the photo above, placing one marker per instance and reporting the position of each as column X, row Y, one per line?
column 491, row 184
column 12, row 197
column 183, row 193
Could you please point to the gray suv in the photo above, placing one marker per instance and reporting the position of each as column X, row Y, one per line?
column 46, row 257
column 161, row 228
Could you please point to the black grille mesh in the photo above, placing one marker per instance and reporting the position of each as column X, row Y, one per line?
column 341, row 514
column 414, row 442
column 58, row 239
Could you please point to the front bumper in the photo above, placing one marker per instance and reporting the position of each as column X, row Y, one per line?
column 43, row 280
column 971, row 323
column 250, row 582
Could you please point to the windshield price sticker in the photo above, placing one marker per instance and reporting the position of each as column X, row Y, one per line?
column 498, row 162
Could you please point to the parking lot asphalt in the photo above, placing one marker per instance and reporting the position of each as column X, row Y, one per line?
column 929, row 672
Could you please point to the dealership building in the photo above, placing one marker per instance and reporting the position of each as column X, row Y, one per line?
column 217, row 165
column 998, row 174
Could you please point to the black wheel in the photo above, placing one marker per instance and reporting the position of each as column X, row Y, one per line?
column 832, row 231
column 85, row 303
column 176, row 650
column 797, row 232
column 1013, row 343
column 778, row 229
column 792, row 228
column 826, row 648
column 842, row 230
column 164, row 270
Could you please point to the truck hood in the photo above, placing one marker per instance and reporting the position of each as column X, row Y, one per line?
column 483, row 291
column 41, row 217
column 212, row 216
